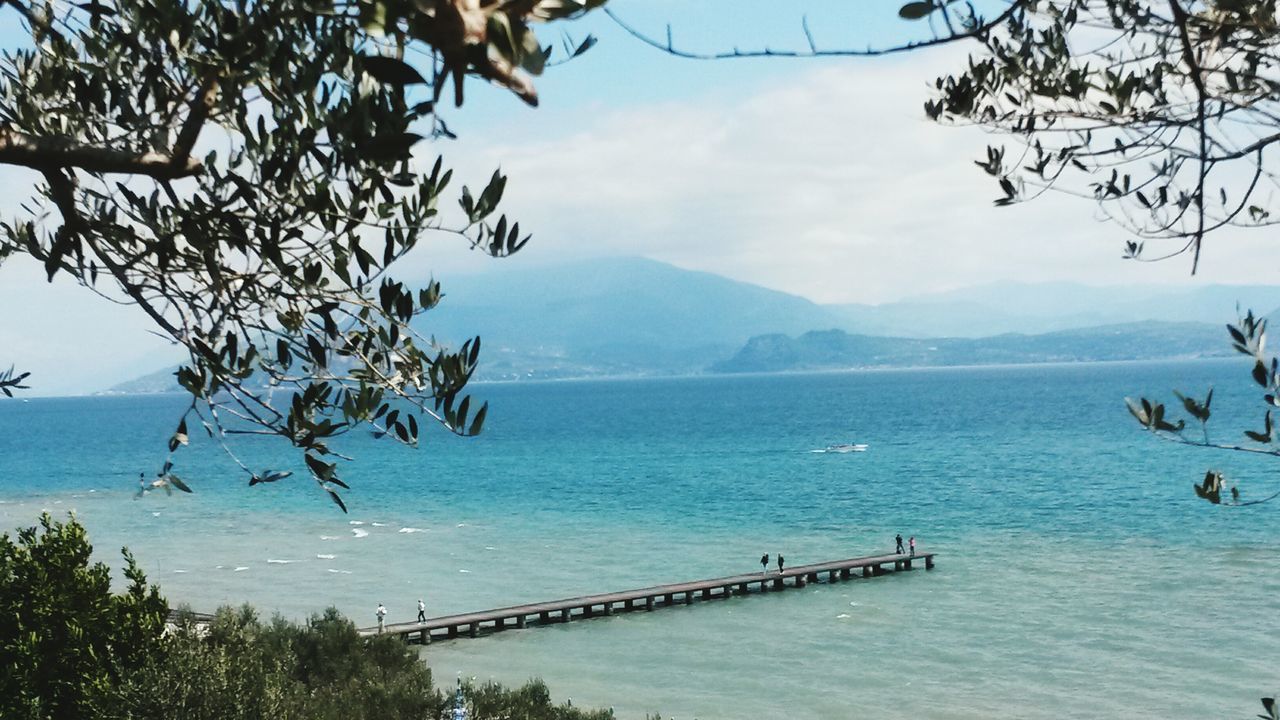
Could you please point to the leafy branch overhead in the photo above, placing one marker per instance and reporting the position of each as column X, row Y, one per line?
column 1163, row 112
column 10, row 381
column 1249, row 338
column 244, row 173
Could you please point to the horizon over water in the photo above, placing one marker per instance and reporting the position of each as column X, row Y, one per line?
column 1078, row 575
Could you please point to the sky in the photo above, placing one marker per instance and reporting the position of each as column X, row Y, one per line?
column 820, row 178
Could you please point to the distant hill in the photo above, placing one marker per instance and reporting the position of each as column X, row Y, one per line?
column 620, row 316
column 159, row 381
column 635, row 317
column 836, row 349
column 1045, row 307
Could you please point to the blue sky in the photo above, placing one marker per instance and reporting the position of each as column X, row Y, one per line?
column 820, row 178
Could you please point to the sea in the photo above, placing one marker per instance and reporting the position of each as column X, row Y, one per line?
column 1078, row 575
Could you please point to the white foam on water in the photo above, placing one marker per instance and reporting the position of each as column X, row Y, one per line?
column 242, row 567
column 218, row 567
column 464, row 571
column 355, row 522
column 279, row 562
column 410, row 530
column 842, row 616
column 179, row 571
column 344, row 572
column 155, row 514
column 328, row 537
column 379, row 524
column 359, row 532
column 326, row 557
column 490, row 547
column 93, row 491
column 462, row 525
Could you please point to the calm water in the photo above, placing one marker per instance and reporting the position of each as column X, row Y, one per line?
column 1079, row 576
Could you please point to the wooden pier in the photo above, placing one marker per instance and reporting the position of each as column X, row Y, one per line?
column 650, row 598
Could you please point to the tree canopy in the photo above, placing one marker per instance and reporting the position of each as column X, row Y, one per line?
column 1163, row 112
column 243, row 173
column 66, row 640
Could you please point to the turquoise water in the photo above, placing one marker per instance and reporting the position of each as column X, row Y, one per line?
column 1078, row 575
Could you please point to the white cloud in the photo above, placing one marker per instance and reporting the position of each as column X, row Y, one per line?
column 831, row 185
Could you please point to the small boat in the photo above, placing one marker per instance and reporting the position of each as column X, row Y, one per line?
column 843, row 448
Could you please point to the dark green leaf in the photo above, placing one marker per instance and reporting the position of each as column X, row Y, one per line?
column 916, row 10
column 391, row 71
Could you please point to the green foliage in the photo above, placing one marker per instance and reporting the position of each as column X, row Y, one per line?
column 1249, row 337
column 239, row 668
column 243, row 173
column 1159, row 110
column 70, row 648
column 65, row 640
column 532, row 701
column 9, row 381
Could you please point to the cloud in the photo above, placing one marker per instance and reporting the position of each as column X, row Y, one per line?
column 829, row 183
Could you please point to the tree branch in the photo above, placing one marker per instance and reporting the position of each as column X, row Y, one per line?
column 1197, row 79
column 200, row 109
column 979, row 30
column 19, row 148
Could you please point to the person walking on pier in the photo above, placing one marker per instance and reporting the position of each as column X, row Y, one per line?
column 422, row 611
column 898, row 538
column 912, row 542
column 780, row 561
column 381, row 612
column 764, row 563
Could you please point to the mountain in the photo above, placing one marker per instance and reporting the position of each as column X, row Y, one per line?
column 632, row 316
column 619, row 316
column 1045, row 307
column 838, row 350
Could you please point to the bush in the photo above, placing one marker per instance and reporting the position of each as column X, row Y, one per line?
column 70, row 648
column 66, row 641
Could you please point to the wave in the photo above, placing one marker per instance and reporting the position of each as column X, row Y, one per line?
column 326, row 557
column 358, row 532
column 328, row 537
column 179, row 571
column 379, row 524
column 344, row 572
column 410, row 530
column 280, row 562
column 355, row 522
column 241, row 568
column 464, row 571
column 842, row 616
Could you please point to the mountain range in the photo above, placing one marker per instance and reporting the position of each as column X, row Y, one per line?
column 633, row 317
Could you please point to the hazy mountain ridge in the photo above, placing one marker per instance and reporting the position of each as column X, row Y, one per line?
column 638, row 317
column 836, row 349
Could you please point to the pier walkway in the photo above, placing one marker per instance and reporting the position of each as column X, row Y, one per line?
column 589, row 606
